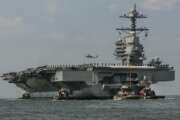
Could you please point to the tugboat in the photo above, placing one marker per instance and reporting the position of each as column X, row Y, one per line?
column 130, row 78
column 137, row 91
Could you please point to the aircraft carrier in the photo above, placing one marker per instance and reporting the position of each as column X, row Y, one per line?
column 131, row 76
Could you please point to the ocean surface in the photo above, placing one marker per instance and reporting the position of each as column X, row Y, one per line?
column 162, row 109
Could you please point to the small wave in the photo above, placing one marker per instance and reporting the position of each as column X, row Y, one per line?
column 170, row 98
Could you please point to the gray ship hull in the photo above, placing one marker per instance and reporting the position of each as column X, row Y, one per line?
column 89, row 92
column 102, row 81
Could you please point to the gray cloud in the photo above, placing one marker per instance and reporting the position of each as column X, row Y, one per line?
column 159, row 4
column 52, row 7
column 55, row 7
column 11, row 22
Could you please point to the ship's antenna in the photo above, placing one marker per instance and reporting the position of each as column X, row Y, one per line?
column 133, row 16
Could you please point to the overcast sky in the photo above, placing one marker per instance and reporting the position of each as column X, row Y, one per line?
column 38, row 32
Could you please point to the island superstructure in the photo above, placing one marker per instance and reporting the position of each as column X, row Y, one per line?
column 99, row 80
column 129, row 49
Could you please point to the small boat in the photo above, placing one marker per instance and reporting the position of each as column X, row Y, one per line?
column 127, row 97
column 135, row 97
column 154, row 97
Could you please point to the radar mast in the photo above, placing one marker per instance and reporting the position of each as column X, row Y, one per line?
column 129, row 49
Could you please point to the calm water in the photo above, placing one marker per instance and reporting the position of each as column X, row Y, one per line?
column 165, row 109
